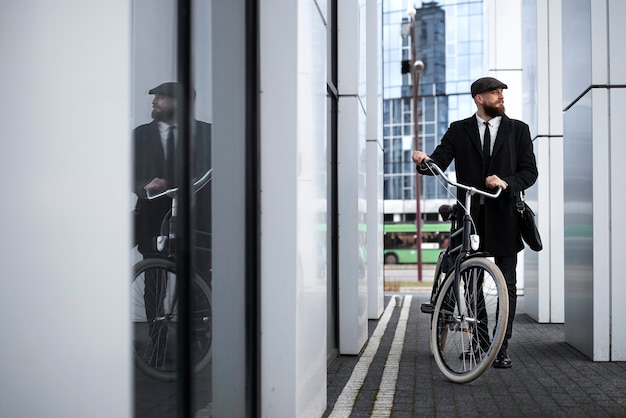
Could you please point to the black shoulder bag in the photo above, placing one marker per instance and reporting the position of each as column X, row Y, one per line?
column 527, row 225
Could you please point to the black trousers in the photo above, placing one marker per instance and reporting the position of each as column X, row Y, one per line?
column 507, row 264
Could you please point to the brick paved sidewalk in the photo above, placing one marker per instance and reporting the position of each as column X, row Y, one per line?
column 548, row 378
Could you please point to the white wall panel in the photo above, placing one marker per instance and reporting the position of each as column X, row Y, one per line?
column 375, row 155
column 617, row 57
column 375, row 273
column 293, row 138
column 618, row 222
column 543, row 272
column 311, row 159
column 534, row 53
column 555, row 72
column 278, row 102
column 537, row 265
column 599, row 42
column 542, row 78
column 576, row 58
column 65, row 265
column 601, row 225
column 349, row 44
column 352, row 161
column 352, row 269
column 506, row 19
column 505, row 62
column 556, row 232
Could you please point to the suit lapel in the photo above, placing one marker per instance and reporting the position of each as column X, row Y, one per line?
column 156, row 143
column 471, row 126
column 503, row 134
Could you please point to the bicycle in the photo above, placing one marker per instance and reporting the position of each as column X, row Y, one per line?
column 469, row 296
column 154, row 340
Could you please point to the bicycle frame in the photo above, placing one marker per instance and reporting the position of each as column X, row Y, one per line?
column 470, row 242
column 168, row 238
column 162, row 269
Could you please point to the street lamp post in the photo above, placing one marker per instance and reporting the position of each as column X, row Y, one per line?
column 416, row 68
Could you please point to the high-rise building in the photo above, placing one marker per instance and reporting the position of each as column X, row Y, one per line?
column 451, row 43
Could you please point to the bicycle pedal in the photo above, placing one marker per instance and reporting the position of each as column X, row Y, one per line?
column 427, row 308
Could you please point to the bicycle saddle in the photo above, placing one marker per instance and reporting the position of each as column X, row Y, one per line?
column 446, row 210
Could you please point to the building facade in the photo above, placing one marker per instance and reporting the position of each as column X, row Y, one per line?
column 572, row 82
column 297, row 157
column 296, row 160
column 593, row 103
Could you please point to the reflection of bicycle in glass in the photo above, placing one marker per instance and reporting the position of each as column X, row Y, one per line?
column 469, row 301
column 154, row 304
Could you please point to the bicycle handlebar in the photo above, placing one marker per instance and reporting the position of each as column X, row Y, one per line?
column 430, row 164
column 197, row 185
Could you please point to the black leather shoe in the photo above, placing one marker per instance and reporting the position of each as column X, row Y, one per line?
column 503, row 361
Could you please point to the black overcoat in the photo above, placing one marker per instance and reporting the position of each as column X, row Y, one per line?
column 461, row 143
column 149, row 163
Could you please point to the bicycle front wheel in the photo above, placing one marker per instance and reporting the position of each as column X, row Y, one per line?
column 154, row 316
column 469, row 321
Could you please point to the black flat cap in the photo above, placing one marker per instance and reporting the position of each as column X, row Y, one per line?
column 485, row 84
column 170, row 89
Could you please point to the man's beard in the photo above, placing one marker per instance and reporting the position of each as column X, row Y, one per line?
column 493, row 110
column 163, row 115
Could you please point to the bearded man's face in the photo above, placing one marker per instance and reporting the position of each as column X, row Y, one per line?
column 493, row 102
column 164, row 108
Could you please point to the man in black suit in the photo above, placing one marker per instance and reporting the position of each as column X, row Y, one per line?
column 155, row 145
column 509, row 164
column 154, row 167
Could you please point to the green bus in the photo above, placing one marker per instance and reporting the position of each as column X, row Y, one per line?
column 400, row 242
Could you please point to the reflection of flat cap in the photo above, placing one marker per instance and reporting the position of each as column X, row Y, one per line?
column 485, row 84
column 170, row 89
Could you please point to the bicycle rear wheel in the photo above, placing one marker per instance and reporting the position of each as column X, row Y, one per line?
column 154, row 316
column 469, row 321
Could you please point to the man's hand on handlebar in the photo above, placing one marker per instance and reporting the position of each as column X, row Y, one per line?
column 419, row 157
column 156, row 185
column 494, row 182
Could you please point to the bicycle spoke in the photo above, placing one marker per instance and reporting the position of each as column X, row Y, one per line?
column 154, row 316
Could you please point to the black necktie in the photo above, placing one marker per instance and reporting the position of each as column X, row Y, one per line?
column 486, row 150
column 169, row 157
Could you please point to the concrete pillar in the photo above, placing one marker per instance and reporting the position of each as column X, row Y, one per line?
column 374, row 136
column 352, row 161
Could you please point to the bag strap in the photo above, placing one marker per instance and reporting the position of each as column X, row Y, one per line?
column 519, row 196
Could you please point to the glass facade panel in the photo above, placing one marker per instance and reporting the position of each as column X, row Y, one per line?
column 154, row 104
column 453, row 54
column 171, row 148
column 397, row 118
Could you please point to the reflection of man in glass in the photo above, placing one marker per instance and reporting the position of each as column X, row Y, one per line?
column 155, row 146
